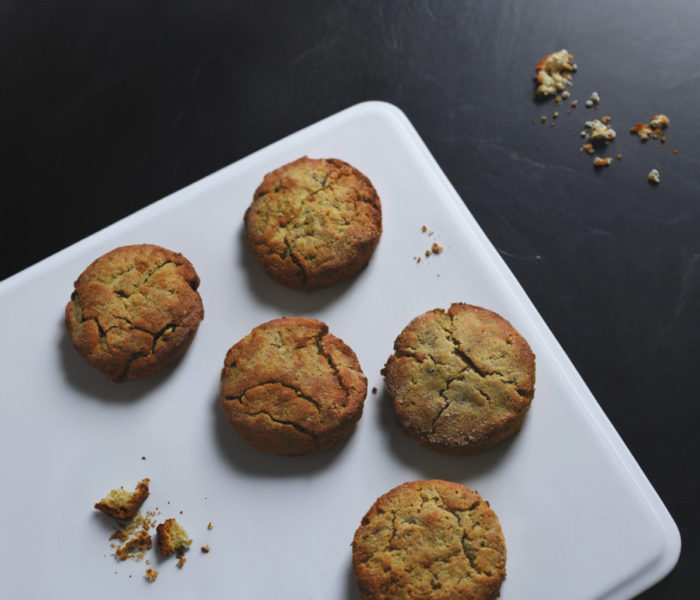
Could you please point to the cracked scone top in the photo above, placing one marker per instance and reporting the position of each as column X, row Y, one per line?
column 314, row 222
column 460, row 380
column 435, row 540
column 290, row 387
column 134, row 311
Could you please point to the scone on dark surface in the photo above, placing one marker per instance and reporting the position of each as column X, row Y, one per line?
column 429, row 540
column 460, row 380
column 123, row 505
column 314, row 222
column 134, row 311
column 290, row 387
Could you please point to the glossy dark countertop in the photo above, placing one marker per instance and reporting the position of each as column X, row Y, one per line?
column 109, row 106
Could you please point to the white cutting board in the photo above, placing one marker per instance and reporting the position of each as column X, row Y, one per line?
column 580, row 519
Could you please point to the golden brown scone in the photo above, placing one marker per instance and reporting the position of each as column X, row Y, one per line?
column 124, row 505
column 460, row 380
column 290, row 387
column 314, row 222
column 134, row 311
column 429, row 540
column 172, row 538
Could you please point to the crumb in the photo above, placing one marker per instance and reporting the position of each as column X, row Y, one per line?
column 437, row 248
column 642, row 130
column 143, row 458
column 557, row 99
column 374, row 390
column 605, row 119
column 180, row 512
column 551, row 124
column 618, row 156
column 593, row 100
column 424, row 229
column 659, row 122
column 543, row 118
column 172, row 538
column 588, row 148
column 675, row 150
column 565, row 94
column 418, row 259
column 553, row 73
column 181, row 560
column 151, row 574
column 555, row 115
column 210, row 526
column 574, row 103
column 134, row 547
column 663, row 139
column 602, row 162
column 123, row 505
column 206, row 549
column 428, row 253
column 654, row 176
column 597, row 131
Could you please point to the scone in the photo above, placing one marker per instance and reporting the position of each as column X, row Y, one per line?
column 433, row 540
column 134, row 311
column 290, row 387
column 314, row 222
column 460, row 380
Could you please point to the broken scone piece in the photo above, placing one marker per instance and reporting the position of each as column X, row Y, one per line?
column 553, row 73
column 597, row 131
column 654, row 177
column 123, row 505
column 173, row 539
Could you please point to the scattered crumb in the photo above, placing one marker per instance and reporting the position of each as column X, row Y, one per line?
column 654, row 177
column 428, row 252
column 134, row 537
column 663, row 139
column 618, row 156
column 659, row 122
column 642, row 130
column 143, row 458
column 151, row 574
column 210, row 526
column 557, row 99
column 553, row 73
column 424, row 229
column 123, row 505
column 574, row 103
column 543, row 118
column 555, row 115
column 437, row 248
column 551, row 124
column 565, row 94
column 180, row 512
column 605, row 119
column 602, row 162
column 675, row 150
column 181, row 560
column 206, row 549
column 597, row 131
column 593, row 100
column 588, row 148
column 374, row 390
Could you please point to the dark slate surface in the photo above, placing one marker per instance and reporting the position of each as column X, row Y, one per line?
column 108, row 106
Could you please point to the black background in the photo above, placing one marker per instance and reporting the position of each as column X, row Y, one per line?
column 108, row 106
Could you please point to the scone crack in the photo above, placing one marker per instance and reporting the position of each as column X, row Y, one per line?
column 296, row 390
column 294, row 424
column 322, row 352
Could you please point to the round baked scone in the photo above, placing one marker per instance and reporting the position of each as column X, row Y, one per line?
column 134, row 311
column 290, row 387
column 314, row 222
column 460, row 380
column 429, row 540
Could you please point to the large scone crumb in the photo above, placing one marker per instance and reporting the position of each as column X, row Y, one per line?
column 654, row 176
column 554, row 73
column 314, row 222
column 599, row 162
column 290, row 387
column 598, row 132
column 134, row 311
column 123, row 505
column 460, row 380
column 593, row 100
column 172, row 538
column 433, row 540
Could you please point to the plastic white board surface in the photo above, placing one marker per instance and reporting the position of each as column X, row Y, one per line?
column 580, row 519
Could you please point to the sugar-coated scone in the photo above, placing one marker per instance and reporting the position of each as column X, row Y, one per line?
column 134, row 311
column 429, row 540
column 314, row 222
column 290, row 387
column 460, row 380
